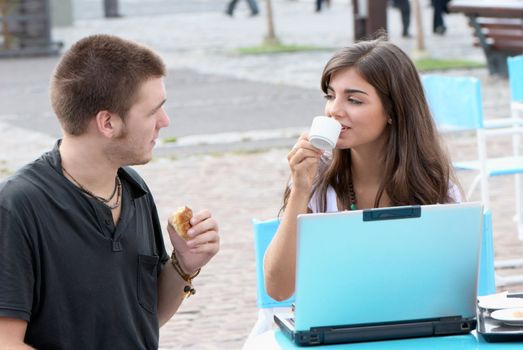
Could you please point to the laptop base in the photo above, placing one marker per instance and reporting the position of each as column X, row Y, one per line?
column 372, row 332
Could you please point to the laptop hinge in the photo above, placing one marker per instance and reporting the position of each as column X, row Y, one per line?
column 377, row 332
column 367, row 332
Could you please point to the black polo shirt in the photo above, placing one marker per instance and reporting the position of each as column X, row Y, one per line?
column 79, row 281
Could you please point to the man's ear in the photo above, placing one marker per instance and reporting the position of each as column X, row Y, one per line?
column 108, row 124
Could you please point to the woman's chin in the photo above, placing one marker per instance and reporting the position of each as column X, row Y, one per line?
column 342, row 145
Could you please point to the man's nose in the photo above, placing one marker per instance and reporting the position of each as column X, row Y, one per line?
column 164, row 120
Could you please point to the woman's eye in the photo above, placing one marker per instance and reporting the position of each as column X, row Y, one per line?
column 327, row 97
column 354, row 101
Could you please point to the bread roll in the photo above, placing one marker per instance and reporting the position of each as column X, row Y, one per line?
column 180, row 220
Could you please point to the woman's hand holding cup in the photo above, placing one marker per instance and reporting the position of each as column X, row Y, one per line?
column 305, row 156
column 303, row 161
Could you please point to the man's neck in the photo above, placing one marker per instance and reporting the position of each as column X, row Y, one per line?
column 85, row 161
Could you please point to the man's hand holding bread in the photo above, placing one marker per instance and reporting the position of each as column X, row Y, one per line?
column 194, row 236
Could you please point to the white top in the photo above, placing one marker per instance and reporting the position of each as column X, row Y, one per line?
column 332, row 203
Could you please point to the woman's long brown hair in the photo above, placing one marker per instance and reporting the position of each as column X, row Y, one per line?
column 417, row 169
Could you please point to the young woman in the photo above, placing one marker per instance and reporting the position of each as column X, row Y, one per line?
column 388, row 152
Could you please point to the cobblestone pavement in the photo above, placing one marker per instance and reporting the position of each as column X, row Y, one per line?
column 243, row 185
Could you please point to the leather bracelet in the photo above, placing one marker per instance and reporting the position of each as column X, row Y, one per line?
column 188, row 289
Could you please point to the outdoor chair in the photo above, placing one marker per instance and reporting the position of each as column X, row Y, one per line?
column 264, row 231
column 487, row 275
column 515, row 76
column 456, row 106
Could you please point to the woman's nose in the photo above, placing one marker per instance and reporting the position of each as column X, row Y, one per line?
column 333, row 109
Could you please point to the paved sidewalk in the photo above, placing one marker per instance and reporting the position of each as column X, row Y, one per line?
column 241, row 185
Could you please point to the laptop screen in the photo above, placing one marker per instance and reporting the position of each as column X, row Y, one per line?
column 387, row 265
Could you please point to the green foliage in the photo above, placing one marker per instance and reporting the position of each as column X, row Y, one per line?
column 170, row 139
column 429, row 64
column 266, row 48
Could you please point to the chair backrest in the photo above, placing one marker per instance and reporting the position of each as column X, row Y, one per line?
column 263, row 233
column 455, row 102
column 515, row 76
column 487, row 279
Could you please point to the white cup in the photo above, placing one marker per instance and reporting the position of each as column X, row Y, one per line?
column 324, row 133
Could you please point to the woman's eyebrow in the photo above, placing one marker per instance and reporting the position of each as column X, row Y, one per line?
column 355, row 91
column 349, row 91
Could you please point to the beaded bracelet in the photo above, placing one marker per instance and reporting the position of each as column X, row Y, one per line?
column 188, row 289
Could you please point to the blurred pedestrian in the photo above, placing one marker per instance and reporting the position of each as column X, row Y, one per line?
column 111, row 9
column 438, row 24
column 253, row 5
column 319, row 3
column 404, row 7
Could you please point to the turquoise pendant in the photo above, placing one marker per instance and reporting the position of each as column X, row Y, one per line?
column 353, row 206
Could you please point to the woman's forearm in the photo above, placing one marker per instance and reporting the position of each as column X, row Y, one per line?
column 280, row 257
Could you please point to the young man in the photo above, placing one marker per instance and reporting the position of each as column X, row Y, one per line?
column 82, row 260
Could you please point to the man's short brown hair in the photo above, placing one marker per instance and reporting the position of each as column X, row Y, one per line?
column 100, row 72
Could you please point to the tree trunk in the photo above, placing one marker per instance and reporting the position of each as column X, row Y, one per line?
column 420, row 37
column 271, row 38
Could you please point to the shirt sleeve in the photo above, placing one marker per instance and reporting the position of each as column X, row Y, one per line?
column 313, row 203
column 16, row 268
column 455, row 193
column 158, row 236
column 332, row 201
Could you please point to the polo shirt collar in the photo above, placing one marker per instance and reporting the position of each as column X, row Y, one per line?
column 137, row 189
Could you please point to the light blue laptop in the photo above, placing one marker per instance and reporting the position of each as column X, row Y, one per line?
column 386, row 273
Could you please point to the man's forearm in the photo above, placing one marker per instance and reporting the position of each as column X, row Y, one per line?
column 170, row 293
column 12, row 334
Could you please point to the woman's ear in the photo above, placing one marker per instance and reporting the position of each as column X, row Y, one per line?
column 389, row 121
column 108, row 124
